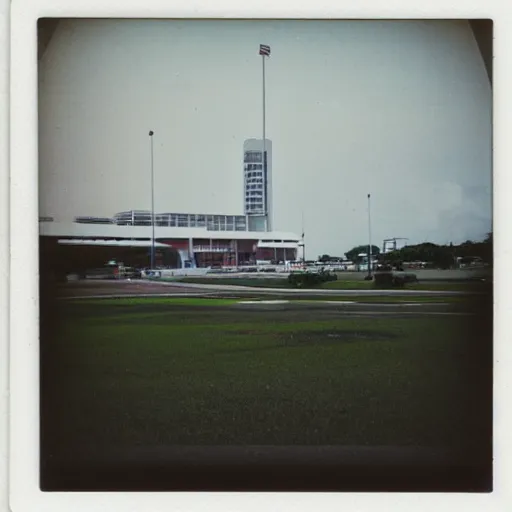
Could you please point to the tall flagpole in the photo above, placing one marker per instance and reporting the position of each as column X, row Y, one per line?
column 303, row 243
column 264, row 52
column 263, row 163
column 152, row 206
column 369, row 240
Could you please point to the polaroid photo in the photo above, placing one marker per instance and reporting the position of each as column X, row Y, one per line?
column 252, row 256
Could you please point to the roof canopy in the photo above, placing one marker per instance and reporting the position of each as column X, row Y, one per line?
column 104, row 231
column 112, row 243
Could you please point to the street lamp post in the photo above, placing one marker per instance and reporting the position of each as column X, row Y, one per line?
column 303, row 242
column 151, row 133
column 369, row 240
column 264, row 52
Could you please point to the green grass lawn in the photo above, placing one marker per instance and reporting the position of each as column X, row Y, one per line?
column 126, row 373
column 302, row 298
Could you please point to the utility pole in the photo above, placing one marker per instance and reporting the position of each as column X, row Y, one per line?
column 151, row 133
column 369, row 240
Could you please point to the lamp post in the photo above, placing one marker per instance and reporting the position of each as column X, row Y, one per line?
column 151, row 133
column 303, row 242
column 265, row 52
column 369, row 240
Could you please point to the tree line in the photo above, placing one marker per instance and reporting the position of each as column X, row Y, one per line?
column 441, row 256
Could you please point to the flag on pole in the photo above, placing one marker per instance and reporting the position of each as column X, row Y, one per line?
column 265, row 50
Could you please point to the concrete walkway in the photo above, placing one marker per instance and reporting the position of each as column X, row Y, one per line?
column 308, row 291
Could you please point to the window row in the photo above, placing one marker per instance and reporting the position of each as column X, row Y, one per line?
column 254, row 174
column 253, row 167
column 252, row 156
column 211, row 222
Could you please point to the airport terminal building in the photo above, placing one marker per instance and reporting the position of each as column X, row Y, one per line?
column 182, row 240
column 175, row 246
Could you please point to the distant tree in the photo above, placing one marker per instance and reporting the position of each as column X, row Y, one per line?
column 352, row 255
column 483, row 249
column 324, row 258
column 443, row 256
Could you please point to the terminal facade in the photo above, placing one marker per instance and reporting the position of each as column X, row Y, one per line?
column 182, row 240
column 79, row 244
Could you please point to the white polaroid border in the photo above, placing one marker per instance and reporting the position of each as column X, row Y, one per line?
column 24, row 492
column 4, row 247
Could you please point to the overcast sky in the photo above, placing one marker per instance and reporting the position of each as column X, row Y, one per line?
column 401, row 110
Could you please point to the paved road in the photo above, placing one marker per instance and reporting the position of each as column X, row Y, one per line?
column 92, row 288
column 429, row 275
column 293, row 291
